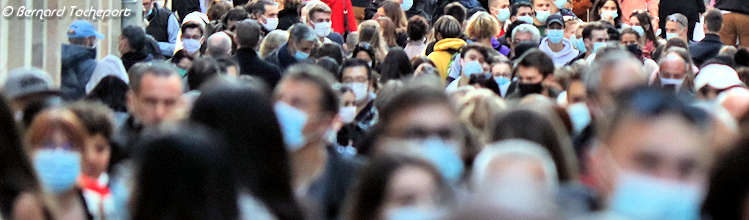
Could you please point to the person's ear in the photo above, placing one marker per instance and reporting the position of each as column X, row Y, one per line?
column 131, row 102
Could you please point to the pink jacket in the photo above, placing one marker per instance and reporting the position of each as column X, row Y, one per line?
column 630, row 5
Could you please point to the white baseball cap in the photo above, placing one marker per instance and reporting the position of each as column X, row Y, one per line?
column 717, row 76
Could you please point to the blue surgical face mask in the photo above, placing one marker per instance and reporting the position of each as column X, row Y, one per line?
column 609, row 14
column 555, row 35
column 407, row 5
column 299, row 55
column 444, row 155
column 57, row 169
column 413, row 213
column 560, row 3
column 541, row 16
column 639, row 30
column 580, row 44
column 526, row 19
column 501, row 80
column 503, row 14
column 598, row 45
column 670, row 36
column 292, row 121
column 472, row 67
column 642, row 197
column 579, row 115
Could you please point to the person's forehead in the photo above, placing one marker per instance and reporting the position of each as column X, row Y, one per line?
column 523, row 36
column 320, row 14
column 528, row 71
column 525, row 8
column 299, row 88
column 599, row 33
column 354, row 71
column 429, row 116
column 474, row 53
column 161, row 81
column 667, row 136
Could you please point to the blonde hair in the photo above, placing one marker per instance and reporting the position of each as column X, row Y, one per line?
column 477, row 108
column 482, row 26
column 273, row 41
column 371, row 32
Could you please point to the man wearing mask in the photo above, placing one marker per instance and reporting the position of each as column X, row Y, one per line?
column 542, row 10
column 473, row 61
column 674, row 72
column 78, row 59
column 676, row 26
column 192, row 38
column 521, row 10
column 264, row 12
column 593, row 38
column 559, row 49
column 319, row 19
column 534, row 72
column 652, row 161
column 501, row 10
column 524, row 33
column 155, row 96
column 302, row 39
column 306, row 106
column 248, row 36
column 357, row 75
column 162, row 25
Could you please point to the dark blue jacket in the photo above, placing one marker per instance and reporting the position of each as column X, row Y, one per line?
column 281, row 57
column 251, row 64
column 707, row 48
column 78, row 63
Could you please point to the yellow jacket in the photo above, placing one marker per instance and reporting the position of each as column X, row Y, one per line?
column 442, row 54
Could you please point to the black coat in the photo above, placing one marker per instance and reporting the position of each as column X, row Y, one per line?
column 287, row 17
column 689, row 8
column 281, row 58
column 738, row 6
column 78, row 63
column 251, row 64
column 705, row 49
column 184, row 7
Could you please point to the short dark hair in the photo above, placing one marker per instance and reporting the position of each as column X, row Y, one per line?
column 202, row 70
column 332, row 50
column 456, row 10
column 353, row 62
column 483, row 50
column 135, row 36
column 190, row 25
column 448, row 27
column 224, row 62
column 248, row 33
column 95, row 116
column 417, row 27
column 156, row 68
column 235, row 14
column 588, row 29
column 713, row 20
column 321, row 78
column 519, row 4
column 539, row 60
column 258, row 6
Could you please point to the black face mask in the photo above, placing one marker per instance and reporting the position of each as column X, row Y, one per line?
column 530, row 88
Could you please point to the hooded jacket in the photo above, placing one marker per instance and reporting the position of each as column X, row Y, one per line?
column 78, row 63
column 443, row 52
column 562, row 57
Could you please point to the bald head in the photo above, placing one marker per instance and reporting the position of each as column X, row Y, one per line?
column 219, row 44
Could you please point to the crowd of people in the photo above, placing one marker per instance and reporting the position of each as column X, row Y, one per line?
column 389, row 109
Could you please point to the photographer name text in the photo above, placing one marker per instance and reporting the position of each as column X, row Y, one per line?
column 66, row 11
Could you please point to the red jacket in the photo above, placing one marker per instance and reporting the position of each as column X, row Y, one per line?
column 337, row 6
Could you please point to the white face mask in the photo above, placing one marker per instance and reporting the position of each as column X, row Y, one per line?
column 347, row 114
column 191, row 45
column 270, row 24
column 360, row 90
column 322, row 29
